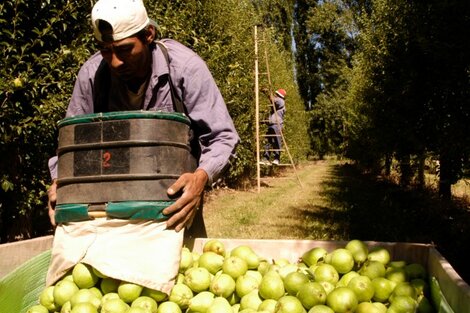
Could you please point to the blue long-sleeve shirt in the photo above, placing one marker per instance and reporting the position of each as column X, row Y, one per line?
column 194, row 85
column 280, row 111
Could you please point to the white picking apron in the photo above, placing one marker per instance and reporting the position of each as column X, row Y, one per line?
column 139, row 251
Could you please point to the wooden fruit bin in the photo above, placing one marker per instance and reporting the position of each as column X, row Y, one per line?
column 24, row 264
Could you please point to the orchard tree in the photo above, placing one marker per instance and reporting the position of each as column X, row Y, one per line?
column 327, row 53
column 413, row 64
column 42, row 43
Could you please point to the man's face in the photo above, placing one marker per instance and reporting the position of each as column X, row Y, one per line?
column 128, row 58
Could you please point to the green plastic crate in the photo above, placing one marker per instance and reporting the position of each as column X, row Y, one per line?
column 20, row 289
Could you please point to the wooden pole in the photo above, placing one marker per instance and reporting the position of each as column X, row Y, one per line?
column 258, row 167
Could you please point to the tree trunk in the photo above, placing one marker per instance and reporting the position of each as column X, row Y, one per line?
column 405, row 171
column 421, row 163
column 445, row 189
column 445, row 178
column 14, row 224
column 387, row 165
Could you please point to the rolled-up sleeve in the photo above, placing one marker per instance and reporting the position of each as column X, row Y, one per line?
column 52, row 164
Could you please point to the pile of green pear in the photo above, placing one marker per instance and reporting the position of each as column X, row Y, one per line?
column 351, row 278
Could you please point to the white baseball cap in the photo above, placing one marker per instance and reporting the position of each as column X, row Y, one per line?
column 126, row 17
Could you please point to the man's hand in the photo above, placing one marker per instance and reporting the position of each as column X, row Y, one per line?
column 184, row 209
column 52, row 195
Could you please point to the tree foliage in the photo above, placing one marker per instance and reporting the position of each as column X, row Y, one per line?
column 305, row 53
column 331, row 31
column 391, row 83
column 416, row 98
column 41, row 45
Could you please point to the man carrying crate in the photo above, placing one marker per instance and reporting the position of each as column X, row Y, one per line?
column 134, row 72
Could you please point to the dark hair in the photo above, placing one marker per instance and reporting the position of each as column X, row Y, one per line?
column 104, row 27
column 142, row 34
column 106, row 31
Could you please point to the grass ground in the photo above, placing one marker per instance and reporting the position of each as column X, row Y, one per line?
column 337, row 202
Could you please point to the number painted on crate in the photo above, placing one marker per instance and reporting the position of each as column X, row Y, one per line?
column 106, row 159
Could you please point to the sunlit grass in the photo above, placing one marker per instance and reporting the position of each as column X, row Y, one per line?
column 462, row 189
column 275, row 212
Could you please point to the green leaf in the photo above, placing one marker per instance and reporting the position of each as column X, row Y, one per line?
column 6, row 185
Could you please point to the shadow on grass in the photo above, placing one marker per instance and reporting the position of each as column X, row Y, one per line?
column 367, row 208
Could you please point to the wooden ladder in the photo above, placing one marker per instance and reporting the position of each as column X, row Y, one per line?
column 262, row 137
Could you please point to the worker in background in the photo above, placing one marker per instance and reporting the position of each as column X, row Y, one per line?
column 130, row 72
column 275, row 124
